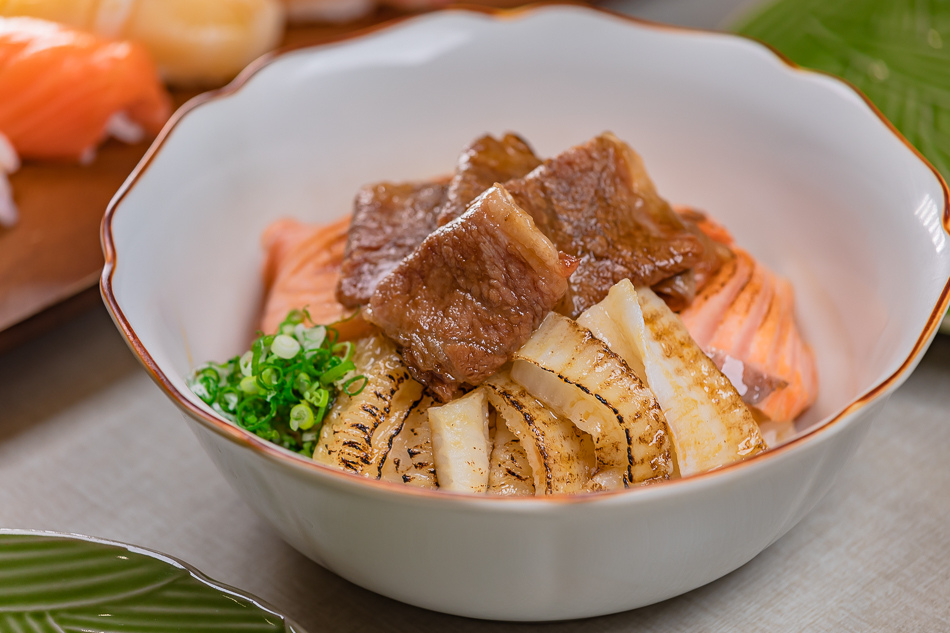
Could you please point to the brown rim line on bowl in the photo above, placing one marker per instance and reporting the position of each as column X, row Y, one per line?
column 273, row 452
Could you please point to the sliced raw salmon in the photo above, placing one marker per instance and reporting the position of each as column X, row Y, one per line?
column 743, row 317
column 746, row 314
column 301, row 269
column 704, row 315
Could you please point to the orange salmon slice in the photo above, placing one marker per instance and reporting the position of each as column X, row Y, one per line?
column 62, row 87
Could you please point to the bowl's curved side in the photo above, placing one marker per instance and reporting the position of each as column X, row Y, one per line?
column 165, row 339
column 541, row 562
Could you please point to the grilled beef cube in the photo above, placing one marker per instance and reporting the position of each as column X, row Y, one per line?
column 482, row 164
column 389, row 222
column 677, row 291
column 471, row 294
column 597, row 203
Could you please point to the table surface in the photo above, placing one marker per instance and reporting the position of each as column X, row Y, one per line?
column 89, row 445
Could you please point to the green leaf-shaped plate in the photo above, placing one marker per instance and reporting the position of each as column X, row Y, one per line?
column 897, row 52
column 58, row 583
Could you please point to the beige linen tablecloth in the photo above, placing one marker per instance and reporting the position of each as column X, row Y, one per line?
column 89, row 445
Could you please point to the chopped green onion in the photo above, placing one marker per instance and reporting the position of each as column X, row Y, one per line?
column 285, row 346
column 245, row 363
column 301, row 417
column 338, row 372
column 351, row 391
column 283, row 387
column 270, row 376
column 348, row 354
column 302, row 382
column 249, row 386
column 310, row 338
column 318, row 397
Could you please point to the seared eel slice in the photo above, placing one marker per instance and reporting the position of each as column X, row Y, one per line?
column 357, row 434
column 510, row 473
column 410, row 460
column 553, row 445
column 580, row 378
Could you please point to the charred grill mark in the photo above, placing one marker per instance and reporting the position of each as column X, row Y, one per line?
column 406, row 479
column 619, row 417
column 517, row 476
column 628, row 476
column 597, row 396
column 529, row 420
column 414, row 451
column 349, row 465
column 392, row 438
column 372, row 411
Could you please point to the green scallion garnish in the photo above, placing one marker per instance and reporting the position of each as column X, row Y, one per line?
column 282, row 388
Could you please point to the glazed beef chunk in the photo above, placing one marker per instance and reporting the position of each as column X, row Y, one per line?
column 597, row 203
column 471, row 294
column 389, row 222
column 483, row 163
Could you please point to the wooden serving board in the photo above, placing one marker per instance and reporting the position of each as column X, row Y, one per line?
column 51, row 260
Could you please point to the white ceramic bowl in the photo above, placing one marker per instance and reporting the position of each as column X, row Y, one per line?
column 806, row 175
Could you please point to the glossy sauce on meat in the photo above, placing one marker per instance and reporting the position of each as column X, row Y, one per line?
column 471, row 294
column 482, row 164
column 389, row 222
column 596, row 202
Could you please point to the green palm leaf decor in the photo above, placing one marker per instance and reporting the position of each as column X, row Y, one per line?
column 896, row 51
column 57, row 584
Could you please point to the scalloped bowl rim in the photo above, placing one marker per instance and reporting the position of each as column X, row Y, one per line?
column 331, row 475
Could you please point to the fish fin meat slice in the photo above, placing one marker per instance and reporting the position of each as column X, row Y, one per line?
column 461, row 445
column 357, row 434
column 710, row 423
column 509, row 473
column 553, row 445
column 581, row 379
column 706, row 312
column 744, row 316
column 301, row 268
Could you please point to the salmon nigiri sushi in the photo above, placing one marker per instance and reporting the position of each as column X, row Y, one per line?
column 64, row 90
